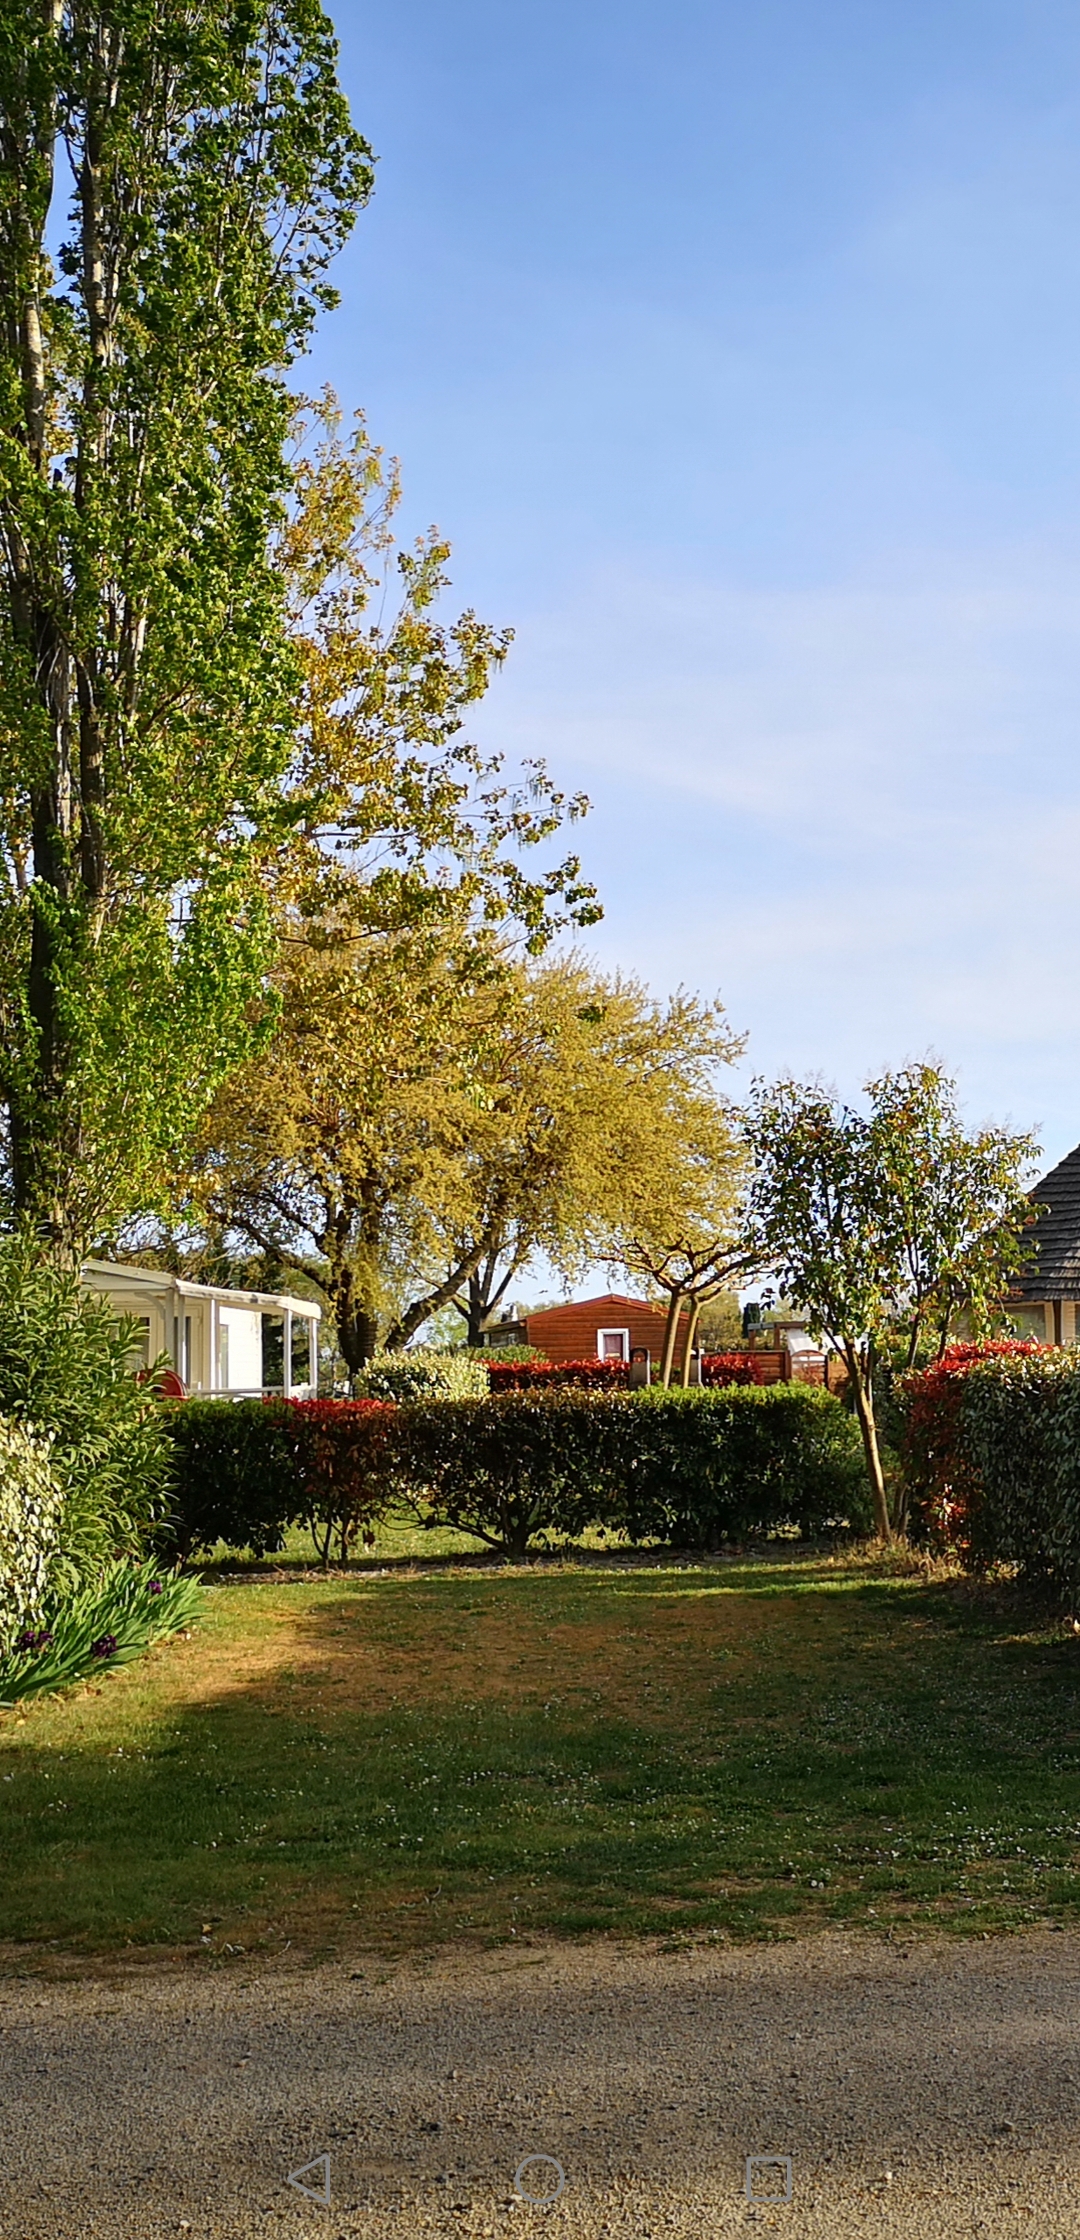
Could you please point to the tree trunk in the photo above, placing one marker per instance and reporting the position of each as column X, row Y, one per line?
column 477, row 1311
column 670, row 1335
column 864, row 1409
column 357, row 1327
column 420, row 1311
column 485, row 1295
column 693, row 1319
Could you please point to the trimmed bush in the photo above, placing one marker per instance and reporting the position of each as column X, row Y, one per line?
column 731, row 1368
column 512, row 1467
column 423, row 1373
column 541, row 1376
column 941, row 1484
column 339, row 1450
column 742, row 1461
column 691, row 1468
column 65, row 1368
column 993, row 1444
column 245, row 1470
column 31, row 1506
column 234, row 1476
column 611, row 1376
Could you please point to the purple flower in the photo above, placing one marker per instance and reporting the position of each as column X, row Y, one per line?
column 28, row 1639
column 104, row 1646
column 155, row 1587
column 44, row 1640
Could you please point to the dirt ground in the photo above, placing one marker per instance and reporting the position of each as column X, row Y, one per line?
column 925, row 2089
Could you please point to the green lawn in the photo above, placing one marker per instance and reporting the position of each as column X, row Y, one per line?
column 733, row 1749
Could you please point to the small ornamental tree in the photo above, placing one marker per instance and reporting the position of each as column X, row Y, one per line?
column 956, row 1204
column 820, row 1221
column 888, row 1217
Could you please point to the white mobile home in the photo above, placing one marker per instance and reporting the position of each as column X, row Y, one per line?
column 230, row 1344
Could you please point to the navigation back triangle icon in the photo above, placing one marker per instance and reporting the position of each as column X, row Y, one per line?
column 320, row 2166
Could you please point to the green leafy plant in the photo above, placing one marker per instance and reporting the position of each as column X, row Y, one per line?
column 340, row 1452
column 66, row 1370
column 993, row 1448
column 424, row 1373
column 741, row 1461
column 31, row 1501
column 510, row 1467
column 174, row 183
column 108, row 1622
column 884, row 1220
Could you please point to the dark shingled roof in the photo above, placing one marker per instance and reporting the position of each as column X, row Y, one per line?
column 1055, row 1272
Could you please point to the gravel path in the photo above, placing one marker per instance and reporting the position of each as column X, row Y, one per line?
column 926, row 2090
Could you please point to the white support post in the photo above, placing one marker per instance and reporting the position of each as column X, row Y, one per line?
column 287, row 1352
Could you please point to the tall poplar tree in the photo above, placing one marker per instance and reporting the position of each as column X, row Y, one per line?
column 175, row 178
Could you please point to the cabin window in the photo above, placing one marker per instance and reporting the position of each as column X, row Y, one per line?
column 613, row 1345
column 140, row 1342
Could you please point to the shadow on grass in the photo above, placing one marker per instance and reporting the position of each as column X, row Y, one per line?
column 737, row 1749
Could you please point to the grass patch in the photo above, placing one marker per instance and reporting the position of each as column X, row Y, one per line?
column 740, row 1750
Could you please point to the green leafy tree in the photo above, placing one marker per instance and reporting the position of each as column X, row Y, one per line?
column 884, row 1218
column 399, row 825
column 404, row 901
column 680, row 1211
column 601, row 1101
column 147, row 686
column 961, row 1207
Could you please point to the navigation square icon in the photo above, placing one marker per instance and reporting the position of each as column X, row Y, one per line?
column 768, row 2178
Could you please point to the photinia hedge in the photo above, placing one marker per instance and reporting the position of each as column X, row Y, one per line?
column 694, row 1468
column 243, row 1471
column 540, row 1376
column 943, row 1485
column 340, row 1449
column 611, row 1376
column 731, row 1368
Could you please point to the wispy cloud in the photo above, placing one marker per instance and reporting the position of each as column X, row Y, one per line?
column 857, row 807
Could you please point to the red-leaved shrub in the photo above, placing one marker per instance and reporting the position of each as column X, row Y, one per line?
column 731, row 1368
column 339, row 1447
column 942, row 1485
column 530, row 1376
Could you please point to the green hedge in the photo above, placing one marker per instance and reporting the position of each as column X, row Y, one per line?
column 245, row 1470
column 995, row 1443
column 692, row 1468
column 742, row 1460
column 234, row 1477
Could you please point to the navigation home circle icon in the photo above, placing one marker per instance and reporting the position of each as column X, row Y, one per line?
column 542, row 2168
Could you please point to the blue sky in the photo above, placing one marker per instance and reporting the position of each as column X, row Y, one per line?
column 737, row 350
